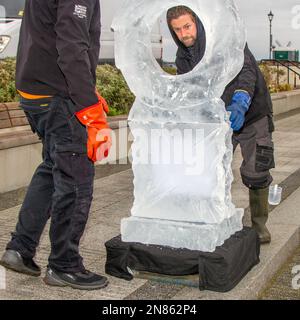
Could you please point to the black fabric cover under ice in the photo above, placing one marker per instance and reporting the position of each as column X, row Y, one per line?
column 219, row 271
column 223, row 269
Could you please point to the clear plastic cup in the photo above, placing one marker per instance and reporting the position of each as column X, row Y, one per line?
column 275, row 193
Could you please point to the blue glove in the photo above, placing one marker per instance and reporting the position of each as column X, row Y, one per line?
column 240, row 104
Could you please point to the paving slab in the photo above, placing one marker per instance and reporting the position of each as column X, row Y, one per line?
column 113, row 198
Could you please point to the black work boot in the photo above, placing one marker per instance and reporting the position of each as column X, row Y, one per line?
column 13, row 260
column 84, row 280
column 259, row 208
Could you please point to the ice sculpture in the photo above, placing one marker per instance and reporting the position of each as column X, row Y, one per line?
column 182, row 198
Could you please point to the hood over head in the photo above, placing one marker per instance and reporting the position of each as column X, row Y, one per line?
column 199, row 45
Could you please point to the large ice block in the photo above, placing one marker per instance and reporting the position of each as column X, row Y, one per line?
column 182, row 149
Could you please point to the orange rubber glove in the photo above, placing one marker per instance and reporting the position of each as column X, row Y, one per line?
column 98, row 130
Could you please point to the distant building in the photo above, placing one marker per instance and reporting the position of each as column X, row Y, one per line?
column 286, row 53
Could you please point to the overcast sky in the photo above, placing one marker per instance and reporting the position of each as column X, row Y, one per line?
column 286, row 26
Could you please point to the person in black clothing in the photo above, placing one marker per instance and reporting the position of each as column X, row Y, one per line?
column 55, row 76
column 249, row 101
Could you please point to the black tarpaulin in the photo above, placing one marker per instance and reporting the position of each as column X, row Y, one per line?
column 219, row 271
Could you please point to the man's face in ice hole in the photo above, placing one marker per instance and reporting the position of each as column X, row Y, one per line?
column 185, row 29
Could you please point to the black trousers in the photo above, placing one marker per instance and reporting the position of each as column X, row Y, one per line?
column 61, row 187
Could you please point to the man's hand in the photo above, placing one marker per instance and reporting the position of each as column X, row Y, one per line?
column 240, row 104
column 99, row 132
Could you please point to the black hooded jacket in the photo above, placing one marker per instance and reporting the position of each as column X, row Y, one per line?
column 59, row 49
column 249, row 79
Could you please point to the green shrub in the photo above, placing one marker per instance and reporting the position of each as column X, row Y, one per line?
column 269, row 73
column 280, row 88
column 7, row 80
column 113, row 87
column 110, row 83
column 170, row 70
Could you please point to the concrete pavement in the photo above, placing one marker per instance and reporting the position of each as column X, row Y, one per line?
column 114, row 202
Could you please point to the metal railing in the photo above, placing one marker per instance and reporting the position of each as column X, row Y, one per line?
column 287, row 64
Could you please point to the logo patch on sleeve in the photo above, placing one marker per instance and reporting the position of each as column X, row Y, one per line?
column 80, row 11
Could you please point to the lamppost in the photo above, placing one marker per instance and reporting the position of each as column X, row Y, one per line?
column 271, row 16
